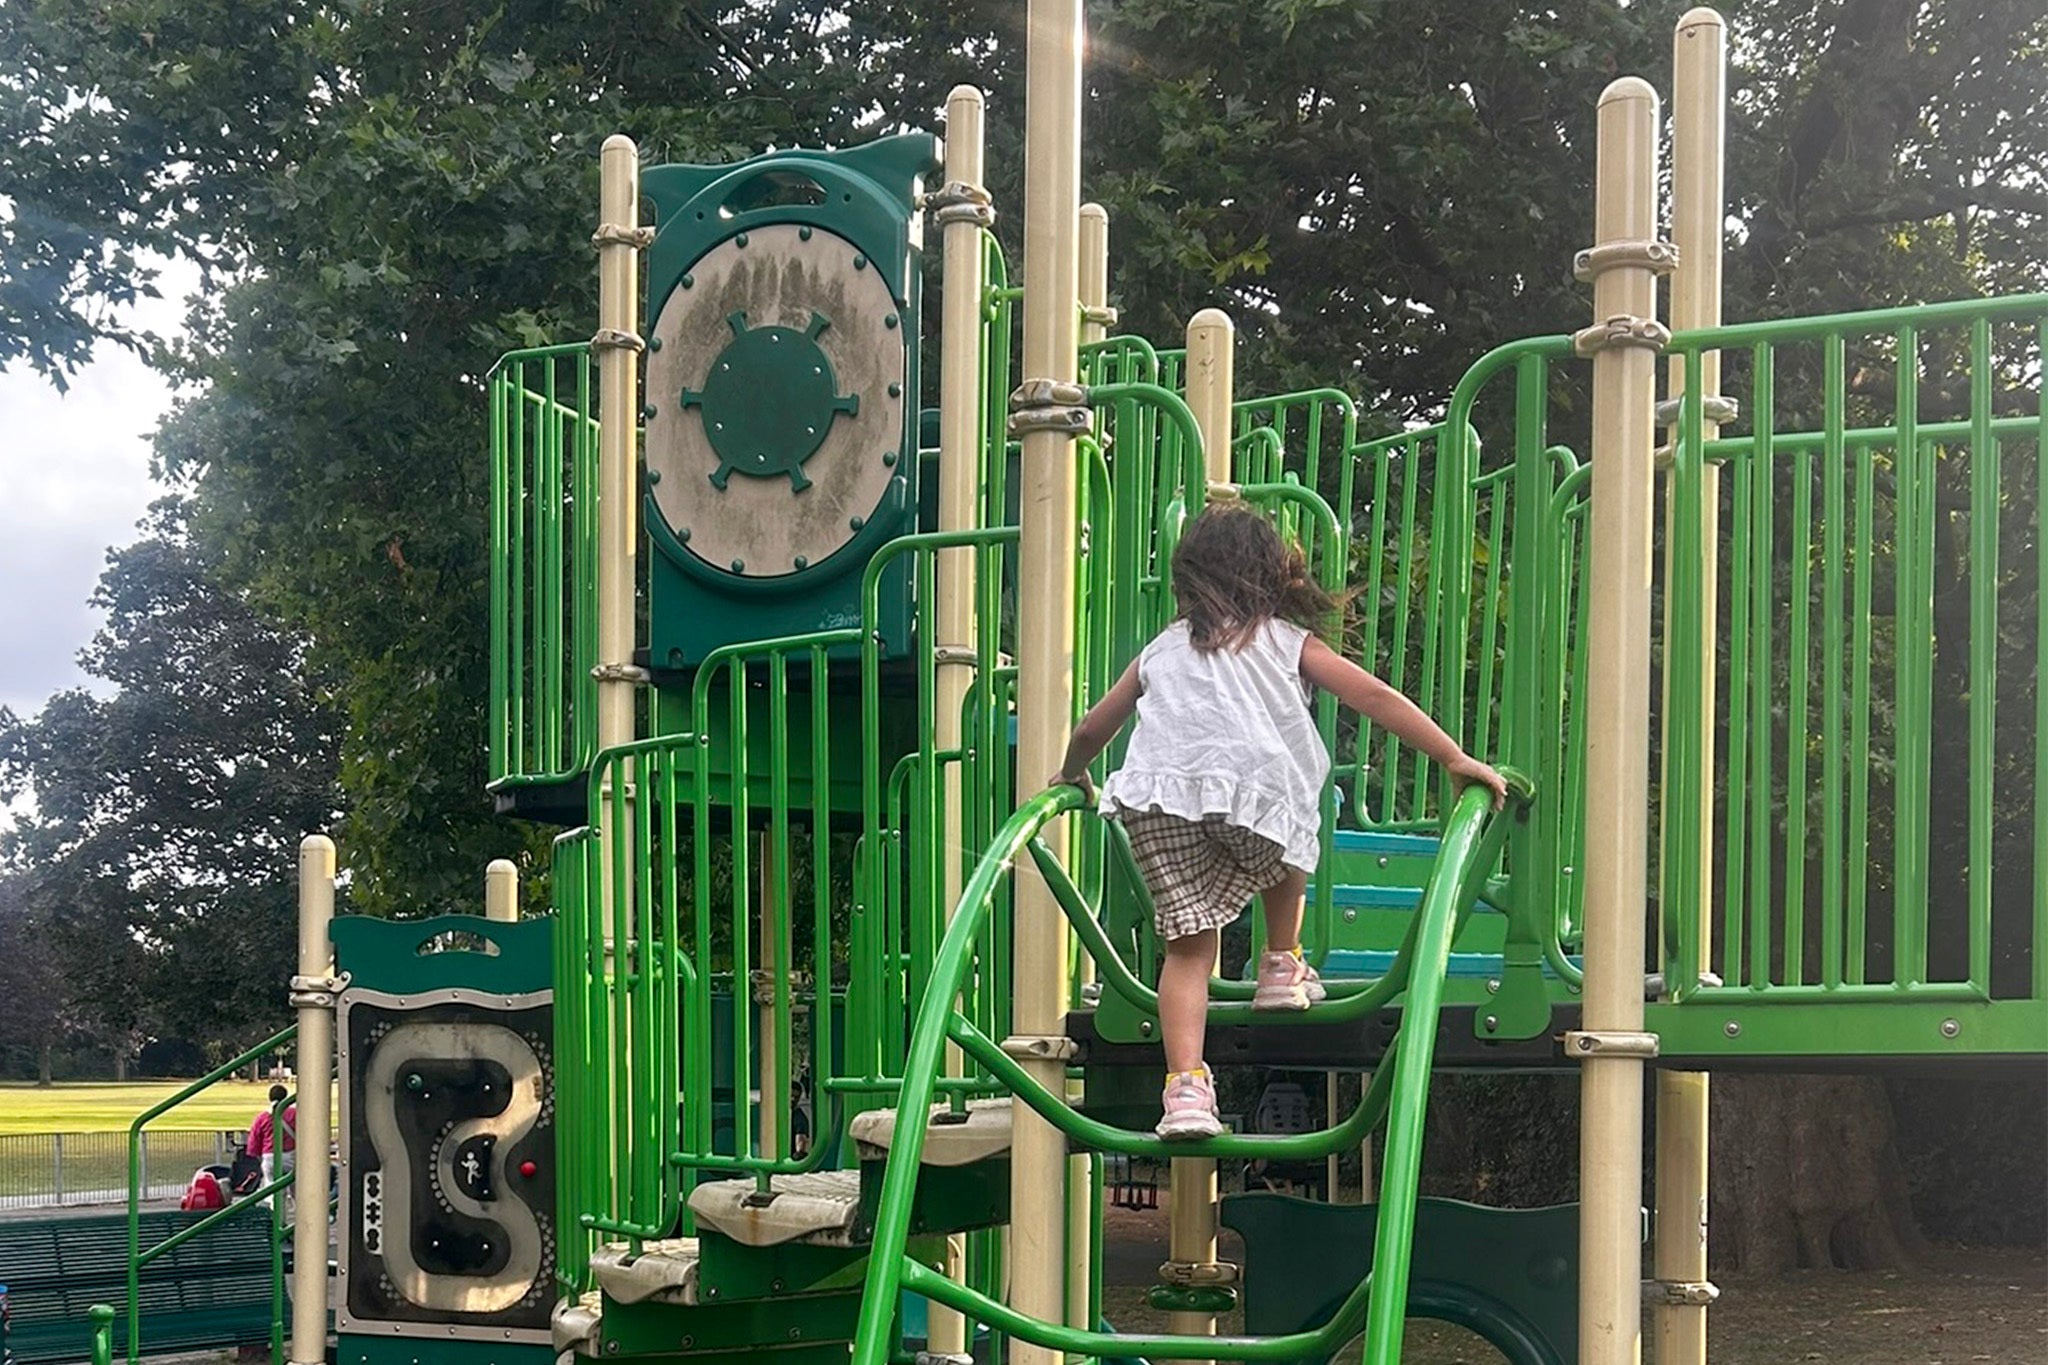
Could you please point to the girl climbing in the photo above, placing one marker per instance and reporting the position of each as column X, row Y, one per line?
column 1221, row 787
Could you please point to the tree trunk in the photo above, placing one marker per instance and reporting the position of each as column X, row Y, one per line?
column 120, row 1061
column 44, row 1076
column 1806, row 1176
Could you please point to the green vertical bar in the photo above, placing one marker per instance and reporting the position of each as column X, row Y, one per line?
column 821, row 888
column 1799, row 703
column 668, row 967
column 1913, row 678
column 584, row 624
column 500, row 757
column 742, row 912
column 522, row 750
column 1490, row 623
column 1742, row 551
column 618, row 872
column 1984, row 510
column 649, row 1151
column 1859, row 754
column 1762, row 661
column 1375, row 569
column 1404, row 555
column 2040, row 939
column 1833, row 478
column 775, row 915
column 1684, row 589
column 550, row 663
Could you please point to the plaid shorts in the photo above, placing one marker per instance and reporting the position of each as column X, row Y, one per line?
column 1201, row 873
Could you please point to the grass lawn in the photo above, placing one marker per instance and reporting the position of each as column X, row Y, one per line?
column 97, row 1107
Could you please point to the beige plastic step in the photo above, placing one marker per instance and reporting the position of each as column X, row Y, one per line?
column 817, row 1208
column 663, row 1272
column 575, row 1323
column 948, row 1140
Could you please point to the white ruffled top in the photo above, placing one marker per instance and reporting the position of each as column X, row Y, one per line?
column 1227, row 732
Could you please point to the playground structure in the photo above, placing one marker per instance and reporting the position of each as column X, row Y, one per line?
column 804, row 845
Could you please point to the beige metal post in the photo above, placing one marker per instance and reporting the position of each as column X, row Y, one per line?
column 1094, row 276
column 1191, row 1234
column 501, row 890
column 618, row 345
column 959, row 484
column 1678, row 1319
column 315, row 1001
column 1611, row 1047
column 1045, row 639
column 618, row 320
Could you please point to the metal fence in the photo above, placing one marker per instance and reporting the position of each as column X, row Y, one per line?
column 48, row 1170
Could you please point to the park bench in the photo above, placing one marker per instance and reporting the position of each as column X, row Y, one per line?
column 212, row 1291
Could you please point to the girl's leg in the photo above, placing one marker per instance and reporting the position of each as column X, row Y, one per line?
column 1283, row 905
column 1285, row 981
column 1184, row 998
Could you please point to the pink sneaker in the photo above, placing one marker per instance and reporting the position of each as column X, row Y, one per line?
column 1190, row 1103
column 1287, row 983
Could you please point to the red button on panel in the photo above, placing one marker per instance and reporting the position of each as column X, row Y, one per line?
column 528, row 1169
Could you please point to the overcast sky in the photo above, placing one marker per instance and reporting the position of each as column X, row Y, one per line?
column 74, row 468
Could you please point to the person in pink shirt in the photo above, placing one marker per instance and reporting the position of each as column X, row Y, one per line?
column 267, row 1145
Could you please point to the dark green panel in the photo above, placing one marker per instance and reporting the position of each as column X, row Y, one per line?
column 384, row 955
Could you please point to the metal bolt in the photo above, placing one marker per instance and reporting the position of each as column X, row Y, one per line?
column 1492, row 1022
column 796, row 1334
column 1493, row 985
column 803, row 234
column 653, row 476
column 1351, row 917
column 647, row 410
column 802, row 563
column 889, row 321
column 860, row 262
column 1732, row 1029
column 857, row 522
column 895, row 390
column 683, row 534
column 653, row 344
column 1951, row 1027
column 739, row 566
column 888, row 458
column 1383, row 860
column 740, row 240
column 688, row 280
column 1145, row 1027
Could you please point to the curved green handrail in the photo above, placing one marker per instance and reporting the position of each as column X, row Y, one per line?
column 1472, row 837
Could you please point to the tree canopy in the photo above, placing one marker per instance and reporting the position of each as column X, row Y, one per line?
column 386, row 196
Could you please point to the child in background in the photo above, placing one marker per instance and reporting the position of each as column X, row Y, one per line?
column 1221, row 787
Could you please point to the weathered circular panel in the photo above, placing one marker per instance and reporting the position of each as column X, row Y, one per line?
column 778, row 399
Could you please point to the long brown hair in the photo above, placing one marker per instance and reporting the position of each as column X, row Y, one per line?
column 1232, row 573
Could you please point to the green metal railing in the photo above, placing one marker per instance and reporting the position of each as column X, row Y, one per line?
column 1471, row 843
column 543, row 575
column 1881, row 631
column 269, row 1195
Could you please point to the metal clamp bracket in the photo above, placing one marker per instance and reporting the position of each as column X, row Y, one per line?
column 612, row 339
column 1050, row 405
column 942, row 1358
column 1587, row 1043
column 1713, row 408
column 957, row 201
column 1622, row 329
column 1594, row 261
column 1100, row 314
column 316, row 992
column 1199, row 1272
column 943, row 655
column 1680, row 1293
column 1027, row 1047
column 626, row 673
column 620, row 234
